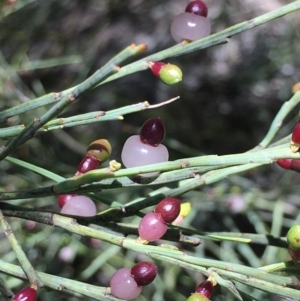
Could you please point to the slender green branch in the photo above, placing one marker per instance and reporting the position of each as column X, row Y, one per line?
column 212, row 40
column 68, row 99
column 61, row 284
column 25, row 263
column 177, row 50
column 6, row 292
column 87, row 118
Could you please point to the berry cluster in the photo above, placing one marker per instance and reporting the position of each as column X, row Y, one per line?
column 191, row 25
column 97, row 153
column 203, row 292
column 127, row 284
column 145, row 148
column 26, row 294
column 154, row 224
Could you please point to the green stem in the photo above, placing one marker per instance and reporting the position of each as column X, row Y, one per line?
column 61, row 284
column 25, row 263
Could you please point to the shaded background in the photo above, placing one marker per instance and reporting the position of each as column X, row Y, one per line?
column 228, row 98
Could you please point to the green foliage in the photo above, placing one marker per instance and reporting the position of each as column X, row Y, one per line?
column 241, row 210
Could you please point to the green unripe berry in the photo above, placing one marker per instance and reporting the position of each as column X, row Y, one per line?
column 100, row 149
column 293, row 237
column 197, row 297
column 170, row 74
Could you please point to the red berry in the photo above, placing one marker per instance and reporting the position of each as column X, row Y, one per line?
column 63, row 198
column 197, row 7
column 152, row 227
column 295, row 165
column 87, row 163
column 26, row 294
column 205, row 288
column 153, row 131
column 144, row 273
column 295, row 141
column 156, row 67
column 168, row 209
column 284, row 163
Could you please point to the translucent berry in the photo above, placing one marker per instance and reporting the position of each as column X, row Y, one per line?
column 295, row 141
column 197, row 297
column 170, row 74
column 144, row 272
column 100, row 149
column 63, row 198
column 205, row 288
column 151, row 227
column 168, row 209
column 123, row 285
column 153, row 131
column 26, row 294
column 79, row 205
column 190, row 27
column 156, row 67
column 87, row 163
column 284, row 163
column 135, row 153
column 198, row 8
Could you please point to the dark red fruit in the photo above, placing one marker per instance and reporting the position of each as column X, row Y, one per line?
column 144, row 273
column 63, row 198
column 295, row 165
column 153, row 131
column 87, row 163
column 168, row 209
column 198, row 8
column 156, row 67
column 26, row 294
column 284, row 163
column 205, row 288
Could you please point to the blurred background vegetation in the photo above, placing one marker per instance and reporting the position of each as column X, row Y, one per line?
column 228, row 98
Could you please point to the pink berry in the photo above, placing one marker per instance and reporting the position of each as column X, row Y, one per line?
column 135, row 153
column 87, row 163
column 156, row 67
column 198, row 8
column 144, row 272
column 190, row 27
column 26, row 294
column 205, row 288
column 63, row 198
column 168, row 209
column 152, row 227
column 79, row 205
column 284, row 163
column 153, row 131
column 123, row 285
